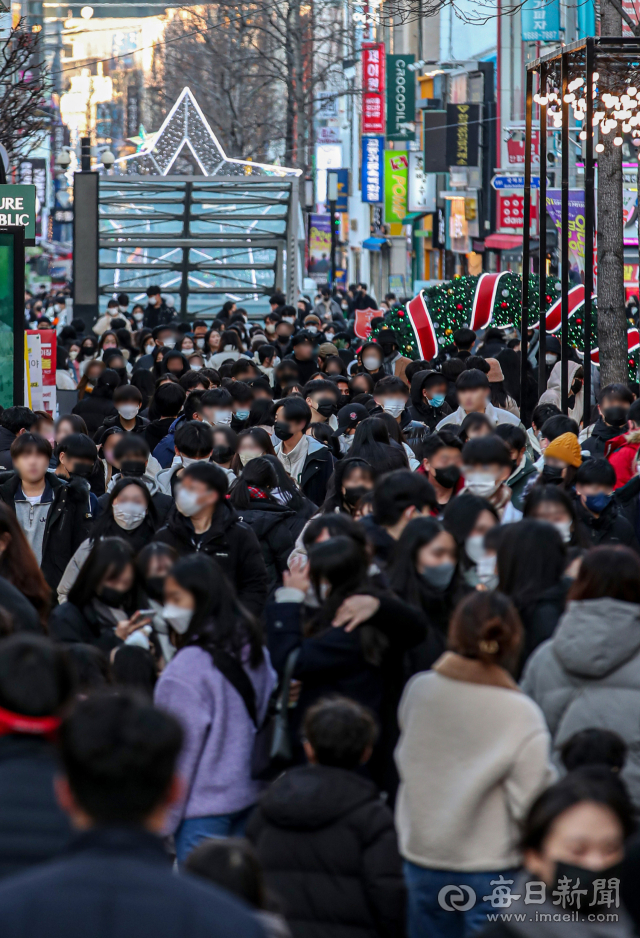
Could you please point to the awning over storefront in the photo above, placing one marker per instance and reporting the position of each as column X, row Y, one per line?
column 374, row 244
column 503, row 242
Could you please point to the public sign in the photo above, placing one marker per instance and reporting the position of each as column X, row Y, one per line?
column 18, row 207
column 462, row 134
column 541, row 21
column 511, row 211
column 396, row 186
column 372, row 169
column 401, row 97
column 509, row 181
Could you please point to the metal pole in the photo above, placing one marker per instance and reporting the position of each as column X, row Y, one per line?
column 589, row 219
column 526, row 233
column 542, row 224
column 564, row 367
column 332, row 213
column 186, row 233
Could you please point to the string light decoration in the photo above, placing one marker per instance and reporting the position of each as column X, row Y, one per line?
column 397, row 319
column 185, row 128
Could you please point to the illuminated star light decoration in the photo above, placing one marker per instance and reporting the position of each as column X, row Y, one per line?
column 186, row 126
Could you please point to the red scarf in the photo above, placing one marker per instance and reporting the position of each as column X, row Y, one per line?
column 29, row 726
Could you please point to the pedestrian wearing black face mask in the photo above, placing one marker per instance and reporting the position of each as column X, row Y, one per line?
column 423, row 573
column 308, row 462
column 613, row 407
column 103, row 607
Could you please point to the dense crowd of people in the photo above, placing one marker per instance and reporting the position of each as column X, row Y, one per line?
column 302, row 638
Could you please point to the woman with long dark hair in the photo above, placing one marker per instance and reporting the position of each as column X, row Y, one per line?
column 253, row 442
column 129, row 514
column 99, row 404
column 531, row 561
column 252, row 497
column 424, row 574
column 24, row 592
column 220, row 667
column 104, row 603
column 352, row 478
column 469, row 518
column 371, row 442
column 289, row 494
column 353, row 642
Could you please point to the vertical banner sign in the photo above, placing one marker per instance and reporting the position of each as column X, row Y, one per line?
column 541, row 21
column 342, row 204
column 372, row 169
column 396, row 186
column 33, row 369
column 373, row 88
column 422, row 186
column 372, row 113
column 133, row 111
column 401, row 97
column 42, row 381
column 320, row 248
column 576, row 228
column 462, row 134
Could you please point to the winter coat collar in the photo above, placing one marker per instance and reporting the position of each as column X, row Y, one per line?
column 125, row 841
column 311, row 797
column 604, row 431
column 458, row 668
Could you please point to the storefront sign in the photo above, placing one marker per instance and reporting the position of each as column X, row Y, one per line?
column 373, row 67
column 396, row 185
column 372, row 169
column 401, row 97
column 372, row 113
column 18, row 207
column 320, row 248
column 422, row 186
column 42, row 381
column 462, row 134
column 541, row 21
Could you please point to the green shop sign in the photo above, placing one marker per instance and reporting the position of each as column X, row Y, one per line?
column 18, row 208
column 401, row 97
column 396, row 185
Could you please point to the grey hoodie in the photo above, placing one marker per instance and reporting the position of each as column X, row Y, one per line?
column 588, row 675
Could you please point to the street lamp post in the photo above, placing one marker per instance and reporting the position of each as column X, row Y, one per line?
column 332, row 198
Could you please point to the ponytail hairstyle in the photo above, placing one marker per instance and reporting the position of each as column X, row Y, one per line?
column 486, row 626
column 257, row 474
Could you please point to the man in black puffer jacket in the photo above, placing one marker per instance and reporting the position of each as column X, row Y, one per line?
column 35, row 685
column 203, row 520
column 325, row 840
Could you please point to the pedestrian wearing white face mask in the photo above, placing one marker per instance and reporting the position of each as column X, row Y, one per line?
column 486, row 466
column 369, row 361
column 217, row 407
column 129, row 513
column 193, row 442
column 469, row 519
column 127, row 400
column 218, row 686
column 204, row 521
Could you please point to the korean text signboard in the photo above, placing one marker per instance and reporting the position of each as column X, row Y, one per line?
column 373, row 67
column 576, row 224
column 372, row 169
column 373, row 88
column 401, row 97
column 462, row 134
column 396, row 186
column 18, row 207
column 541, row 21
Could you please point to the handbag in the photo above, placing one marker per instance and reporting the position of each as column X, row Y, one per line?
column 272, row 750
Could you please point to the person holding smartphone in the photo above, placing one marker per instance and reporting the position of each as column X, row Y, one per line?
column 106, row 604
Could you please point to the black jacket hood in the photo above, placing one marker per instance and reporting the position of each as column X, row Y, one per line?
column 314, row 796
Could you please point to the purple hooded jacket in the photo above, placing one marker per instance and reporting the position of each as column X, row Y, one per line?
column 215, row 762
